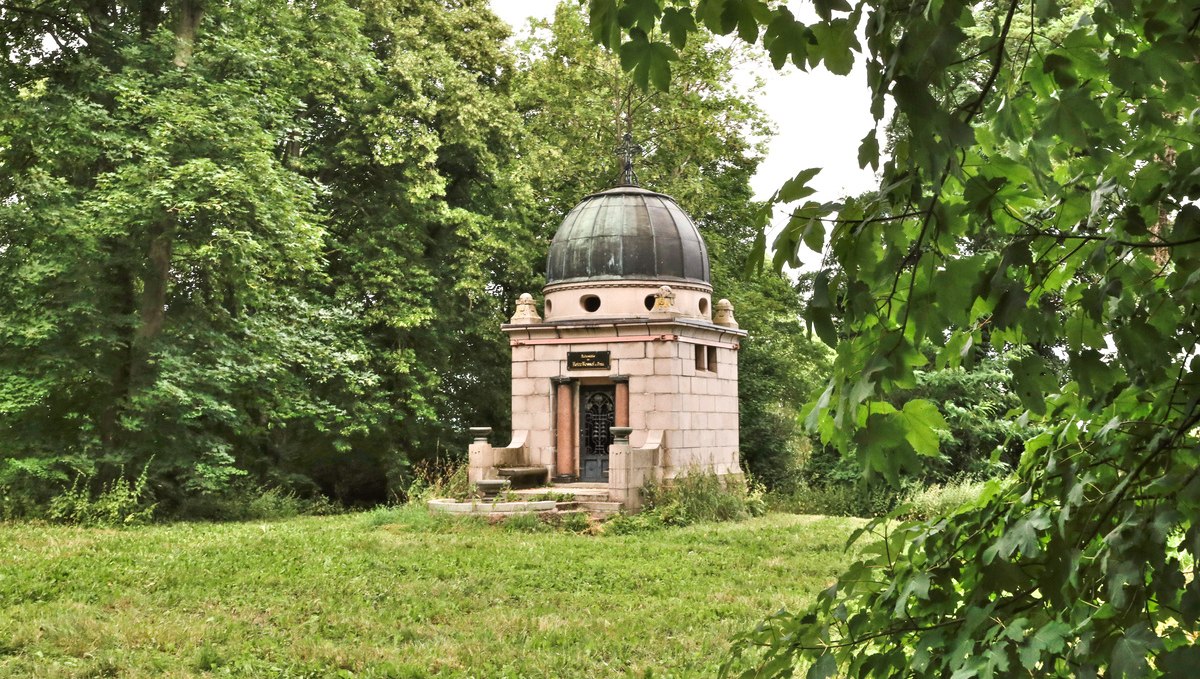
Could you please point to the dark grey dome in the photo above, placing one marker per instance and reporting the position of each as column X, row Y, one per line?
column 627, row 232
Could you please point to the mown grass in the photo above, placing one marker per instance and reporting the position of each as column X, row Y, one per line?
column 397, row 593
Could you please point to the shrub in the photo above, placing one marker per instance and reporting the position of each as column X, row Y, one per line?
column 120, row 502
column 940, row 500
column 28, row 484
column 702, row 496
column 245, row 501
column 437, row 477
column 629, row 524
column 576, row 522
column 837, row 499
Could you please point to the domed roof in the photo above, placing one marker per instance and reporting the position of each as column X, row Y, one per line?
column 627, row 232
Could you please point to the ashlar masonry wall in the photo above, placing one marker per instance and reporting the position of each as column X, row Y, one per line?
column 696, row 407
column 682, row 379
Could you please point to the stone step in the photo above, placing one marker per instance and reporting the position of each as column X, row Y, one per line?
column 600, row 507
column 575, row 493
column 523, row 477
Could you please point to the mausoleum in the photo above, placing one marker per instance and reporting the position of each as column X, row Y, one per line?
column 630, row 371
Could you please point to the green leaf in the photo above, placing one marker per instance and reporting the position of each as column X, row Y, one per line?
column 677, row 23
column 819, row 310
column 1032, row 380
column 1130, row 653
column 1023, row 536
column 1180, row 663
column 823, row 668
column 797, row 187
column 758, row 253
column 602, row 17
column 913, row 98
column 868, row 151
column 918, row 586
column 922, row 420
column 725, row 16
column 1187, row 224
column 1010, row 307
column 1059, row 66
column 834, row 41
column 785, row 37
column 649, row 62
column 825, row 8
column 813, row 234
column 881, row 446
column 980, row 191
column 640, row 14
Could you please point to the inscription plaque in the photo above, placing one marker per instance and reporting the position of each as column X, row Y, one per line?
column 588, row 360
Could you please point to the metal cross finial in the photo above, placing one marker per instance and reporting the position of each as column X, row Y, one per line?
column 627, row 150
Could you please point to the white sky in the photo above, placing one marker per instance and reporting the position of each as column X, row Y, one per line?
column 819, row 119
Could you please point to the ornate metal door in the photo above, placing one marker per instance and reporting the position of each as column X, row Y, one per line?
column 597, row 413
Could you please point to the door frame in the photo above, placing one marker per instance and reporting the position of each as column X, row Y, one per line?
column 584, row 392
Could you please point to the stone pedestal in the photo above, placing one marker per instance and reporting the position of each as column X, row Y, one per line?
column 480, row 455
column 630, row 468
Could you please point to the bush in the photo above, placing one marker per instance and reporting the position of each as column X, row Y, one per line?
column 940, row 500
column 629, row 524
column 438, row 478
column 837, row 499
column 28, row 484
column 120, row 502
column 246, row 501
column 703, row 496
column 576, row 522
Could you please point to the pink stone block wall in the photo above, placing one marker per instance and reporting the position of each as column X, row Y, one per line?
column 707, row 437
column 696, row 409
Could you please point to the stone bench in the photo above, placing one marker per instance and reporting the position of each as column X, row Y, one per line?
column 523, row 477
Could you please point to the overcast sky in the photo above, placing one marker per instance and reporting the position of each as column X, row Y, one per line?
column 819, row 118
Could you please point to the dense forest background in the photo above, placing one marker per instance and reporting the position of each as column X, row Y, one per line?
column 263, row 245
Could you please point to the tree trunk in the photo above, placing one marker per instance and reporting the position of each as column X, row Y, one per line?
column 190, row 12
column 153, row 314
column 125, row 305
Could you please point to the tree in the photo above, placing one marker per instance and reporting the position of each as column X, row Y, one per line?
column 1076, row 157
column 224, row 227
column 428, row 240
column 154, row 245
column 700, row 145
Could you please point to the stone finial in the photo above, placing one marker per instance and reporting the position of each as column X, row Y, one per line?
column 526, row 310
column 664, row 302
column 480, row 434
column 724, row 315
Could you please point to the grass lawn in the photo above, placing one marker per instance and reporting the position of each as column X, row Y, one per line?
column 397, row 593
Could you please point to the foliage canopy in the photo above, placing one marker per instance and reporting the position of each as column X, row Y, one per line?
column 224, row 227
column 271, row 244
column 1071, row 155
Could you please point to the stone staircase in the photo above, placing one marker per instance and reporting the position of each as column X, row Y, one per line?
column 578, row 497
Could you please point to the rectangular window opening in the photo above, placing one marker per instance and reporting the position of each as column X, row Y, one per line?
column 712, row 359
column 701, row 358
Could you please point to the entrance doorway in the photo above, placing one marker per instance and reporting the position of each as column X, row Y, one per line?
column 598, row 409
